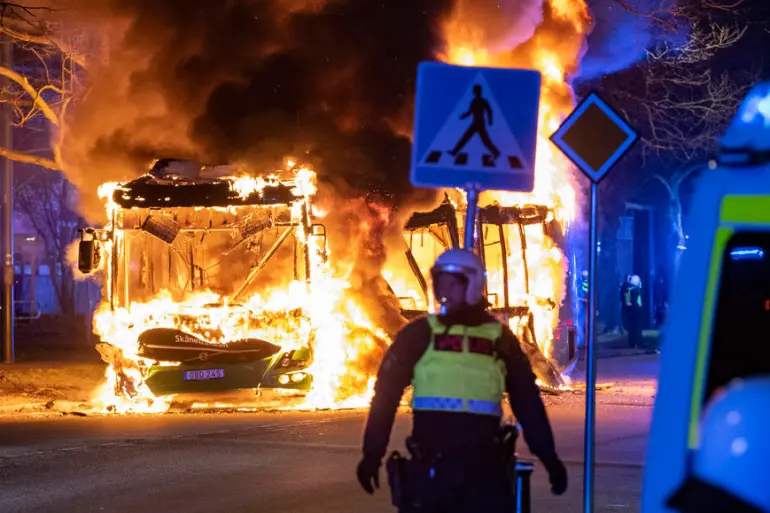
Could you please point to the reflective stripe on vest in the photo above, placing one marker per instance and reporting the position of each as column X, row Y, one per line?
column 457, row 404
column 638, row 298
column 460, row 370
column 583, row 290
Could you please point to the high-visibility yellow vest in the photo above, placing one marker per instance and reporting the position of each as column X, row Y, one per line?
column 460, row 370
column 583, row 291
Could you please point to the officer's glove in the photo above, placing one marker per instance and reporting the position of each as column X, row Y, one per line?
column 557, row 475
column 368, row 473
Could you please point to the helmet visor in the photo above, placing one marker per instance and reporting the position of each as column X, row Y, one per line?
column 449, row 288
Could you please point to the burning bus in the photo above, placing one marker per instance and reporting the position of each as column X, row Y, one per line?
column 215, row 281
column 504, row 235
column 186, row 254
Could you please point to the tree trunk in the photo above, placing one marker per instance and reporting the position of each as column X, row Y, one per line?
column 678, row 228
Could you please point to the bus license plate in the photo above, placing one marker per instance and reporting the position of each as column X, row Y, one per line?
column 201, row 375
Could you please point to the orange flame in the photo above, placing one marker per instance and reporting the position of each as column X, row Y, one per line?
column 318, row 312
column 554, row 184
column 315, row 314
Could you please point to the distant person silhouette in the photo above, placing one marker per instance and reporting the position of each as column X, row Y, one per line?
column 479, row 108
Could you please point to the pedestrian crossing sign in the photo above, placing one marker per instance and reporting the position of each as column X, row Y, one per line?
column 475, row 127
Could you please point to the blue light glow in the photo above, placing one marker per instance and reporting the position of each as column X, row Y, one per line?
column 747, row 138
column 747, row 254
column 756, row 109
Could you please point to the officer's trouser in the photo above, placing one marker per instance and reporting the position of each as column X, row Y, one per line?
column 470, row 484
column 635, row 328
column 582, row 323
column 624, row 314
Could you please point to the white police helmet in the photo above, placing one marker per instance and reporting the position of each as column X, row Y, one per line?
column 466, row 263
column 734, row 444
column 635, row 280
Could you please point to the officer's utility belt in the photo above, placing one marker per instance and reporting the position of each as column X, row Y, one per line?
column 403, row 472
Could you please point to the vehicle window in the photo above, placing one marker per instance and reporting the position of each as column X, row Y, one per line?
column 402, row 280
column 426, row 245
column 740, row 344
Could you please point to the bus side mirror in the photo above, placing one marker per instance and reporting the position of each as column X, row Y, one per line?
column 89, row 251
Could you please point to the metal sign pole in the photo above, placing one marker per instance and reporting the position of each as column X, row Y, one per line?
column 590, row 423
column 578, row 137
column 472, row 192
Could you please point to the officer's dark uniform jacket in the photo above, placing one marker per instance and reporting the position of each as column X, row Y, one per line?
column 449, row 432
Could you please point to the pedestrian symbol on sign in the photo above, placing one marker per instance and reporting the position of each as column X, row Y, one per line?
column 481, row 111
column 476, row 146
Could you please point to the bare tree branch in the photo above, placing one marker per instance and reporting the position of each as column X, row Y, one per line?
column 664, row 14
column 712, row 4
column 665, row 184
column 43, row 82
column 44, row 36
column 37, row 99
column 14, row 11
column 703, row 43
column 29, row 159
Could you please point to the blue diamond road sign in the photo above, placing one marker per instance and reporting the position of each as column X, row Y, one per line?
column 594, row 137
column 475, row 127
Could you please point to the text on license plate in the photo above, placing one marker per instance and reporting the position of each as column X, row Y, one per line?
column 200, row 375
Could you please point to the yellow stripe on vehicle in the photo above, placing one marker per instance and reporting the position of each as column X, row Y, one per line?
column 745, row 209
column 707, row 320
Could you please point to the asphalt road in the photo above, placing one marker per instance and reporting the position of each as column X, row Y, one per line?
column 289, row 462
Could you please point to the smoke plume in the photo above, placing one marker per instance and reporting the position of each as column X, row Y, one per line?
column 330, row 83
column 621, row 35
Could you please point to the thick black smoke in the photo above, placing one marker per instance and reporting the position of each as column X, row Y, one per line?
column 328, row 82
column 331, row 83
column 343, row 80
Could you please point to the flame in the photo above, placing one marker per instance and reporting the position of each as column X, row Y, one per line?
column 319, row 312
column 553, row 173
column 245, row 186
column 315, row 313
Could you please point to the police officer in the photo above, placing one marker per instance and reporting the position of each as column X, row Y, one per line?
column 583, row 292
column 633, row 299
column 582, row 319
column 460, row 364
column 625, row 304
column 729, row 469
